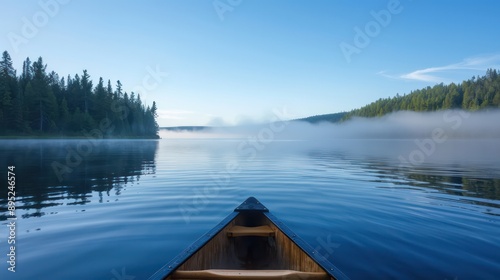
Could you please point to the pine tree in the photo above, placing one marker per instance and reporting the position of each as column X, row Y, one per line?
column 40, row 86
column 99, row 102
column 6, row 66
column 8, row 87
column 153, row 124
column 74, row 90
column 87, row 90
column 118, row 92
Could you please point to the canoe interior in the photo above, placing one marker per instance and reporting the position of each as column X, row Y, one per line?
column 251, row 252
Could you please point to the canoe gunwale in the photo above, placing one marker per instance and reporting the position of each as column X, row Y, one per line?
column 324, row 263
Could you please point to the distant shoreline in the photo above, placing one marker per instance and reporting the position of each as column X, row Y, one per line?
column 185, row 128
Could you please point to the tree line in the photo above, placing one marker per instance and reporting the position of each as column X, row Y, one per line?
column 40, row 103
column 478, row 93
column 336, row 117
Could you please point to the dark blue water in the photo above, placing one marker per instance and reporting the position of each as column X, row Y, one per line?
column 124, row 208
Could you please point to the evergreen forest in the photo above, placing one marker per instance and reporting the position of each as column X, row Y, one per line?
column 41, row 104
column 478, row 93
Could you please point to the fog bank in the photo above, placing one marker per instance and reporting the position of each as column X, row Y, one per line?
column 456, row 124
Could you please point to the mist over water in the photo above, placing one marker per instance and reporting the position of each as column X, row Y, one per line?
column 409, row 140
column 455, row 124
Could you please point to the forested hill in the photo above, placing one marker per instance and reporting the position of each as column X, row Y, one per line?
column 37, row 103
column 336, row 117
column 474, row 94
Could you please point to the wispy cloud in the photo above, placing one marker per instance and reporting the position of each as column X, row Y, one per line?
column 442, row 73
column 384, row 74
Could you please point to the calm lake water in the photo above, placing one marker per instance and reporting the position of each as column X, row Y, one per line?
column 119, row 209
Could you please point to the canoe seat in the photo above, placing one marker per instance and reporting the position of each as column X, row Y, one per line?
column 250, row 231
column 247, row 274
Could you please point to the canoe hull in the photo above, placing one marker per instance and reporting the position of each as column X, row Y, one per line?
column 218, row 252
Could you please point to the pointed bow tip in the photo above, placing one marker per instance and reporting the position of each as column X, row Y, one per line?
column 251, row 204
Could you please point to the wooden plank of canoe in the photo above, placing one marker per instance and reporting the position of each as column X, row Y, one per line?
column 236, row 231
column 228, row 274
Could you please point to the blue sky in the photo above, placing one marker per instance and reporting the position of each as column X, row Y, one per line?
column 235, row 61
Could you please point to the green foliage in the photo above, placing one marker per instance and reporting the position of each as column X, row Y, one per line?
column 324, row 118
column 474, row 94
column 42, row 103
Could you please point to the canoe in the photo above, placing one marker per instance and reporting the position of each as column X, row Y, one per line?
column 250, row 243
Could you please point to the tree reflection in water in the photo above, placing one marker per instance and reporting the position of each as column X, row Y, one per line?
column 106, row 169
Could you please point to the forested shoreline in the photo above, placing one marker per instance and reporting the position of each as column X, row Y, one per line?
column 41, row 104
column 477, row 93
